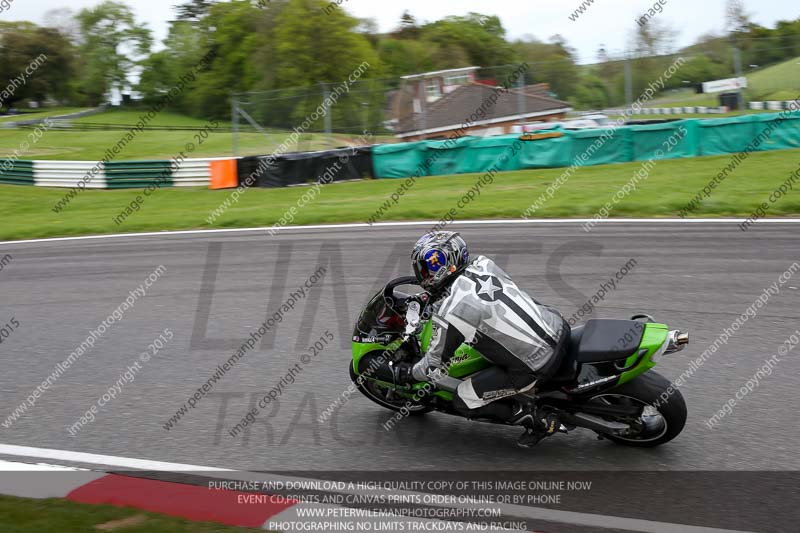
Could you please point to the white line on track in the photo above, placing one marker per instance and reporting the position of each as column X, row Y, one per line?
column 8, row 466
column 105, row 460
column 510, row 510
column 543, row 221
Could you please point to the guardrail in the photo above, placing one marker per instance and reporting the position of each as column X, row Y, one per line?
column 65, row 174
column 776, row 105
column 112, row 175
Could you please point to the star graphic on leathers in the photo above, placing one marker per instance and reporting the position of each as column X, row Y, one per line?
column 488, row 287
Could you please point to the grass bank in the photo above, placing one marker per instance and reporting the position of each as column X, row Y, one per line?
column 24, row 515
column 26, row 212
column 67, row 145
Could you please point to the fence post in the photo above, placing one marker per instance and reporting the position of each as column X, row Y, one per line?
column 737, row 62
column 325, row 94
column 235, row 128
column 628, row 82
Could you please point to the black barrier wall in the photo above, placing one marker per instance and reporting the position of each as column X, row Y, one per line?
column 297, row 168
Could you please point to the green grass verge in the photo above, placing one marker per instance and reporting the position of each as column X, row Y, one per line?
column 60, row 145
column 26, row 211
column 24, row 515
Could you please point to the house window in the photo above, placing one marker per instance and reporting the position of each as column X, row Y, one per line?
column 461, row 79
column 432, row 90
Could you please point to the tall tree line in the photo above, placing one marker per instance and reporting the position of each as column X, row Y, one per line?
column 261, row 45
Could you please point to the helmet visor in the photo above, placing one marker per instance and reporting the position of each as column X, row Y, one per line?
column 422, row 271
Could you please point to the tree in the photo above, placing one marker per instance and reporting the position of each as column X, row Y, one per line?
column 552, row 63
column 312, row 46
column 653, row 39
column 24, row 44
column 591, row 93
column 194, row 10
column 409, row 29
column 113, row 44
column 63, row 19
column 183, row 49
column 400, row 56
column 480, row 37
column 368, row 27
column 787, row 34
column 737, row 20
column 702, row 68
column 763, row 46
column 234, row 31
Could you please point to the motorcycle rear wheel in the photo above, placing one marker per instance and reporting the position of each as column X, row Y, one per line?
column 661, row 420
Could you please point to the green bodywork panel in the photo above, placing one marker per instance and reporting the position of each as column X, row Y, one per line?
column 425, row 335
column 653, row 338
column 467, row 361
column 360, row 349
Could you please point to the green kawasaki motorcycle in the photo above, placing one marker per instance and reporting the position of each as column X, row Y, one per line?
column 604, row 382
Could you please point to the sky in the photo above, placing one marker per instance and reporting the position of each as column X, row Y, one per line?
column 605, row 22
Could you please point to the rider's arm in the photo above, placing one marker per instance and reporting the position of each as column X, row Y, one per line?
column 444, row 342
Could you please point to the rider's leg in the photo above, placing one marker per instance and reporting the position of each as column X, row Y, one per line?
column 488, row 394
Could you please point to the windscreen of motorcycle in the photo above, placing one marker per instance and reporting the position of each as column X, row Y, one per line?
column 377, row 321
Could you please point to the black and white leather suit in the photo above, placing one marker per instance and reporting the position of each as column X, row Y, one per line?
column 484, row 308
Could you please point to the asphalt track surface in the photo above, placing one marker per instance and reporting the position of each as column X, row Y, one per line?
column 219, row 287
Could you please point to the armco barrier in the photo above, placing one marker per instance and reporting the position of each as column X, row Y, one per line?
column 17, row 172
column 193, row 173
column 112, row 175
column 287, row 169
column 589, row 147
column 135, row 174
column 67, row 174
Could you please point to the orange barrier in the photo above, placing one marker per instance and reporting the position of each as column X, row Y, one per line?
column 223, row 174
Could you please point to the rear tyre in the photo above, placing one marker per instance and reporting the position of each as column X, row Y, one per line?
column 386, row 397
column 661, row 420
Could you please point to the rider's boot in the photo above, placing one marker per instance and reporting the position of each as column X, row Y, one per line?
column 536, row 428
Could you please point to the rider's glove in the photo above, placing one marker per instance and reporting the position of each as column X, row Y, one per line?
column 402, row 373
column 412, row 318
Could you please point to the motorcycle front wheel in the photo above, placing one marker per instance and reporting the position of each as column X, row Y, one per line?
column 386, row 397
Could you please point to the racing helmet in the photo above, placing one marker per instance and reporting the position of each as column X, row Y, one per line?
column 439, row 258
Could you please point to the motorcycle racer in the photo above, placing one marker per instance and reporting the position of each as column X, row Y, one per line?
column 477, row 303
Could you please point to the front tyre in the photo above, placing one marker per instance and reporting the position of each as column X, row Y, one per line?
column 386, row 397
column 661, row 420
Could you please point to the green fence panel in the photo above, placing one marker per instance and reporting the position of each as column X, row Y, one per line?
column 668, row 140
column 16, row 172
column 727, row 135
column 546, row 153
column 450, row 156
column 785, row 130
column 135, row 174
column 497, row 153
column 687, row 138
column 398, row 160
column 602, row 146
